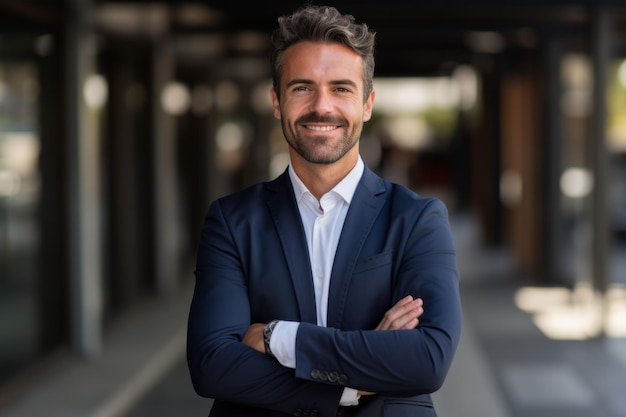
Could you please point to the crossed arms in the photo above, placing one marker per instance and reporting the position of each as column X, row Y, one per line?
column 396, row 356
column 404, row 315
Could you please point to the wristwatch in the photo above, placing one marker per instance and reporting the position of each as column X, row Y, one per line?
column 267, row 335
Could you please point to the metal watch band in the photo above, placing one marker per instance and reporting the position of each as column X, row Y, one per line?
column 267, row 335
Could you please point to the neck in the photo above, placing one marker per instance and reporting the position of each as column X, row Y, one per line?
column 321, row 178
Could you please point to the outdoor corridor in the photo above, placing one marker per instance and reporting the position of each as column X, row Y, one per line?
column 505, row 366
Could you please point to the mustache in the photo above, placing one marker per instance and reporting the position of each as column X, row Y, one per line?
column 319, row 118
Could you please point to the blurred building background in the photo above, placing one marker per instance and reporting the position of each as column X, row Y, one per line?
column 121, row 121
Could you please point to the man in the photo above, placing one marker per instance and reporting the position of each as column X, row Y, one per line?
column 327, row 291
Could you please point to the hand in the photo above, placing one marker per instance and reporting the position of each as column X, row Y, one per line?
column 404, row 315
column 254, row 337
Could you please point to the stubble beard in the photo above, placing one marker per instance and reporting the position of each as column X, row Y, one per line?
column 310, row 148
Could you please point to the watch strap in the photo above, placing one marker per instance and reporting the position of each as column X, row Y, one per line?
column 267, row 336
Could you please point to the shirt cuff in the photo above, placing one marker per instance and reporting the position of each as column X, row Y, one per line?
column 349, row 397
column 283, row 343
column 283, row 347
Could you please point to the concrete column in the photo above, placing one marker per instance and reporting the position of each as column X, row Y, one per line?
column 601, row 47
column 553, row 148
column 85, row 237
column 168, row 225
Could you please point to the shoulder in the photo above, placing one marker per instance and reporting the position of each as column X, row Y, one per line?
column 408, row 202
column 400, row 197
column 253, row 196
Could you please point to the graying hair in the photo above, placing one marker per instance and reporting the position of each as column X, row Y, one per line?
column 323, row 24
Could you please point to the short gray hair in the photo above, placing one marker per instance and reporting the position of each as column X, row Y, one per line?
column 323, row 24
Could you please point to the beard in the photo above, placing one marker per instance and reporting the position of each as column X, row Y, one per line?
column 321, row 147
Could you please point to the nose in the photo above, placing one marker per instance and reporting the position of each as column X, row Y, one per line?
column 322, row 102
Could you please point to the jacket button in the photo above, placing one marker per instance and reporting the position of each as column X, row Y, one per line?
column 297, row 412
column 343, row 379
column 314, row 413
column 333, row 376
column 324, row 376
column 315, row 374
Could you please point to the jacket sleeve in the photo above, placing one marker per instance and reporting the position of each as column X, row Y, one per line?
column 220, row 365
column 397, row 362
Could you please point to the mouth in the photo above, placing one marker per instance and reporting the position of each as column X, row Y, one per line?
column 314, row 122
column 321, row 128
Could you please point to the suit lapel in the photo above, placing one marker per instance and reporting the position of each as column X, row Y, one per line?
column 364, row 208
column 284, row 211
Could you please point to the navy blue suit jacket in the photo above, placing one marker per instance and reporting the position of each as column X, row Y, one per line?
column 253, row 266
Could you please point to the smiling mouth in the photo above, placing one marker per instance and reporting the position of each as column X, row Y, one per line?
column 325, row 128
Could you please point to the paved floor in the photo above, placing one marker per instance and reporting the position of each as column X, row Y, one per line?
column 505, row 366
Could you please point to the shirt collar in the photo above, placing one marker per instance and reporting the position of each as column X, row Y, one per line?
column 345, row 188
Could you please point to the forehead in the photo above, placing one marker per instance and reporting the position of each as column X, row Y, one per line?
column 318, row 61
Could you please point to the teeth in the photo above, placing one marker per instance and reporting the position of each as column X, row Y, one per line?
column 321, row 128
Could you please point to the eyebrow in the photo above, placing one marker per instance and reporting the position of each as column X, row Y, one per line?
column 334, row 82
column 299, row 81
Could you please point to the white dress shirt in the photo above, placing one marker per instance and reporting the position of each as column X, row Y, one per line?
column 323, row 221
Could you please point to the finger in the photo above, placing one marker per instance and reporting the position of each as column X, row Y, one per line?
column 409, row 317
column 409, row 320
column 402, row 314
column 395, row 313
column 254, row 337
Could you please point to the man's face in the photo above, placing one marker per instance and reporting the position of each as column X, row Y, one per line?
column 321, row 106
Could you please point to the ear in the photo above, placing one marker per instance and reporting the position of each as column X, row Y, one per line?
column 275, row 103
column 367, row 108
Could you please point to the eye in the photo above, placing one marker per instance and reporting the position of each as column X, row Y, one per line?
column 342, row 90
